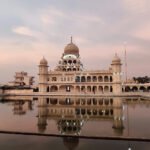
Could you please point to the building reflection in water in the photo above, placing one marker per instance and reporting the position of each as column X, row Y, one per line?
column 70, row 114
column 71, row 143
column 21, row 107
column 21, row 104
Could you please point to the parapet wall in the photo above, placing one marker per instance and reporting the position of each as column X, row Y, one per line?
column 21, row 91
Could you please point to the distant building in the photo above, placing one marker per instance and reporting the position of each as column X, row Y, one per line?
column 70, row 77
column 21, row 79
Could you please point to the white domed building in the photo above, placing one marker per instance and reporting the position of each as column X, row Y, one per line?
column 69, row 77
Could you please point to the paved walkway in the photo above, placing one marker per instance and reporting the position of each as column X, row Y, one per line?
column 127, row 94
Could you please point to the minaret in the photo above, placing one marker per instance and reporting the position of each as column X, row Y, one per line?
column 116, row 68
column 43, row 75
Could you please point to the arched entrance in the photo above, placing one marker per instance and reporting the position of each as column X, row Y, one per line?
column 54, row 88
column 134, row 89
column 127, row 89
column 143, row 89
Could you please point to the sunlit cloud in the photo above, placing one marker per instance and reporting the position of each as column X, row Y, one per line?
column 136, row 6
column 143, row 32
column 21, row 30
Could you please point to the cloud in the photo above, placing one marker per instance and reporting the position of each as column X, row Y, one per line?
column 51, row 15
column 22, row 30
column 89, row 18
column 136, row 6
column 47, row 19
column 143, row 31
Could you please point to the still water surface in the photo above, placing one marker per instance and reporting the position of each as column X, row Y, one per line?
column 125, row 117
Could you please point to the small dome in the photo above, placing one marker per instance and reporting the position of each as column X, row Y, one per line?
column 116, row 59
column 71, row 48
column 43, row 61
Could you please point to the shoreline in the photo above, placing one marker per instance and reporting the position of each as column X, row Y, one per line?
column 120, row 138
column 143, row 95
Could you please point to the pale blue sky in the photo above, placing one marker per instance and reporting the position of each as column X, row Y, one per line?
column 31, row 29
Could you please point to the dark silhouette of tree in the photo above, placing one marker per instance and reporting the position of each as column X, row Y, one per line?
column 145, row 79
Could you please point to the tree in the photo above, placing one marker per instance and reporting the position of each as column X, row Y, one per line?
column 145, row 79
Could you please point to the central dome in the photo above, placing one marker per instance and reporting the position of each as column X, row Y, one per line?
column 71, row 48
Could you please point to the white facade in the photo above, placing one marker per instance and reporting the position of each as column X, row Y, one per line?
column 70, row 77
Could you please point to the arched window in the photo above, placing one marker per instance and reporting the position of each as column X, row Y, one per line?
column 77, row 79
column 74, row 61
column 69, row 69
column 94, row 79
column 83, row 79
column 106, row 79
column 106, row 89
column 88, row 79
column 65, row 62
column 69, row 61
column 100, row 79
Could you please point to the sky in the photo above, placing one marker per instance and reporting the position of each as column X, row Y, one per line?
column 31, row 29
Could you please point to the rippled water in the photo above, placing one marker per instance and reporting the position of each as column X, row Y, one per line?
column 123, row 117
